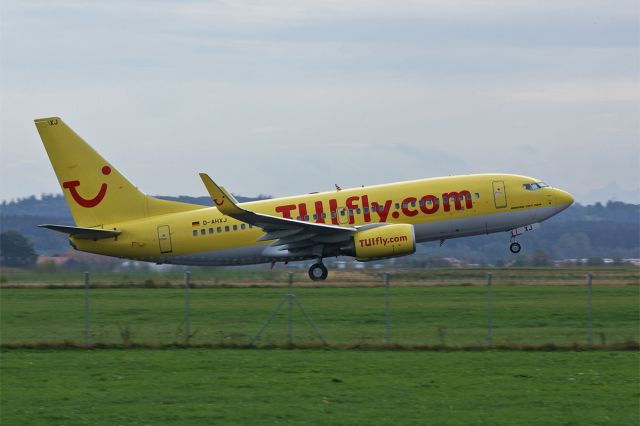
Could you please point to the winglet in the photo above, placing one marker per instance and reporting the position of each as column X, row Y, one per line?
column 221, row 198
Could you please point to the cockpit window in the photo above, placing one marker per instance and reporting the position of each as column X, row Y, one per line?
column 534, row 186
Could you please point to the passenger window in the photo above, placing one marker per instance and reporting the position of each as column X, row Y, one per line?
column 477, row 195
column 226, row 229
column 315, row 217
column 235, row 227
column 203, row 231
column 242, row 226
column 324, row 215
column 413, row 204
column 397, row 206
column 374, row 209
column 358, row 211
column 219, row 229
column 366, row 210
column 306, row 217
column 404, row 205
column 195, row 232
column 211, row 230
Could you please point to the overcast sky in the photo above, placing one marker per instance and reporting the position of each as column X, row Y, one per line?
column 287, row 97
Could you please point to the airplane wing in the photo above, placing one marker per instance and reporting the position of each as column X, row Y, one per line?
column 290, row 234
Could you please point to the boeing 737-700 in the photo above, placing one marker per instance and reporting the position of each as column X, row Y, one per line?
column 114, row 218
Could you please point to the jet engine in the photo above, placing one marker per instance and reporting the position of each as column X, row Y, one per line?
column 382, row 242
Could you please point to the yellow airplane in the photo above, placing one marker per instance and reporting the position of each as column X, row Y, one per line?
column 114, row 218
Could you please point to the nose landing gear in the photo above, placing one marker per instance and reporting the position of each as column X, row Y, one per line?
column 318, row 272
column 515, row 246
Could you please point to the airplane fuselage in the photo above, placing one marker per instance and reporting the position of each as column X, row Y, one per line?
column 438, row 208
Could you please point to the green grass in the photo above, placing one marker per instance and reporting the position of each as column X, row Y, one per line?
column 198, row 386
column 432, row 315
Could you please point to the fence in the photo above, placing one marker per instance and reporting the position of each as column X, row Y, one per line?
column 461, row 316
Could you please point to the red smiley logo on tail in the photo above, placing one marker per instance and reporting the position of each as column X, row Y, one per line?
column 92, row 202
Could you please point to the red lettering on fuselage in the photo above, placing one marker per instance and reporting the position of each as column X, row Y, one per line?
column 409, row 202
column 428, row 205
column 352, row 208
column 333, row 208
column 302, row 211
column 286, row 210
column 457, row 198
column 319, row 212
column 383, row 212
column 365, row 208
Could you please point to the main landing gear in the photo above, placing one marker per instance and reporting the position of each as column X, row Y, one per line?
column 318, row 272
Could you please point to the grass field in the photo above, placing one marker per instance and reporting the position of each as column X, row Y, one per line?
column 262, row 277
column 198, row 386
column 531, row 307
column 431, row 315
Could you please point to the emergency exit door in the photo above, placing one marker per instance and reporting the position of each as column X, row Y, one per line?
column 164, row 239
column 499, row 194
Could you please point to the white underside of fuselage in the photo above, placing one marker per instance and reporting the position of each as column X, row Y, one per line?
column 429, row 231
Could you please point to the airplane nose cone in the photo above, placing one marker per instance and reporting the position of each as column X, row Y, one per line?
column 563, row 198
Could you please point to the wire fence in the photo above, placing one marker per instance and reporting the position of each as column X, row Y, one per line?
column 493, row 315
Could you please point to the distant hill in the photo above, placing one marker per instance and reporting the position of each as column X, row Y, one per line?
column 603, row 230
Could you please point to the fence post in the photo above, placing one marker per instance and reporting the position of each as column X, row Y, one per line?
column 489, row 311
column 187, row 310
column 87, row 337
column 589, row 311
column 290, row 312
column 387, row 309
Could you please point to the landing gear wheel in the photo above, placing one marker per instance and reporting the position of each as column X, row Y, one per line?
column 515, row 248
column 318, row 272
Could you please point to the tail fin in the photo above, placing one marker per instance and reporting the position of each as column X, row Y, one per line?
column 95, row 191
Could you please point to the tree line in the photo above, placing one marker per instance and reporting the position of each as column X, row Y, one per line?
column 610, row 230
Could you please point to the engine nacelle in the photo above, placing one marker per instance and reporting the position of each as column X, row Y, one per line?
column 384, row 242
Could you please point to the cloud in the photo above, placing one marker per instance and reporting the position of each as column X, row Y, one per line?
column 301, row 94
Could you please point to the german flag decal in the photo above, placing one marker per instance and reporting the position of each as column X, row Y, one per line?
column 195, row 223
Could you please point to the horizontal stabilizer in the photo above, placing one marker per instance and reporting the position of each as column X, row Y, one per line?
column 88, row 233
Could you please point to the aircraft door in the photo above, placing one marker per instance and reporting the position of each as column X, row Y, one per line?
column 499, row 194
column 164, row 239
